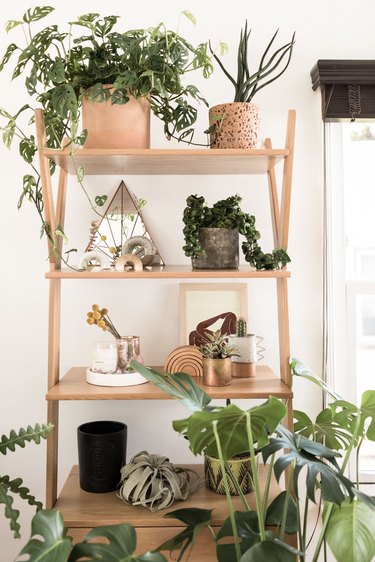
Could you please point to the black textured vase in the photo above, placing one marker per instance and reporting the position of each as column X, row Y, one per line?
column 101, row 454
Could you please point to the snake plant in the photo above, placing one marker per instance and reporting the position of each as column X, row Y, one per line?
column 247, row 85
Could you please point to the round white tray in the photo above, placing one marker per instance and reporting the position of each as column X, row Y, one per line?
column 120, row 379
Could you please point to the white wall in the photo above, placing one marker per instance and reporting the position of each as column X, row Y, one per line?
column 324, row 30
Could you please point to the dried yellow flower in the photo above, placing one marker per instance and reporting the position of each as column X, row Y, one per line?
column 104, row 238
column 90, row 314
column 90, row 321
column 97, row 315
column 95, row 307
column 112, row 249
column 104, row 311
column 104, row 328
column 101, row 323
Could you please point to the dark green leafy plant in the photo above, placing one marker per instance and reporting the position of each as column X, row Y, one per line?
column 60, row 66
column 246, row 85
column 8, row 487
column 227, row 213
column 49, row 542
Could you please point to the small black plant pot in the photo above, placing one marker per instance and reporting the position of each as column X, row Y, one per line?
column 101, row 454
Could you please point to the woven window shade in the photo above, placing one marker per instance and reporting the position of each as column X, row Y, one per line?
column 347, row 88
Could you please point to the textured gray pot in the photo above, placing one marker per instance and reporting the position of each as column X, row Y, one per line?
column 220, row 249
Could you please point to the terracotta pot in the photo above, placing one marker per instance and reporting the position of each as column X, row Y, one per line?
column 220, row 249
column 237, row 125
column 241, row 469
column 217, row 372
column 116, row 126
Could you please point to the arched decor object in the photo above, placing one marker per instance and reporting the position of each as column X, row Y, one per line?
column 128, row 260
column 141, row 247
column 94, row 256
column 185, row 359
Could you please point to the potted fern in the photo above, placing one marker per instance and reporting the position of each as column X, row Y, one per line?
column 236, row 124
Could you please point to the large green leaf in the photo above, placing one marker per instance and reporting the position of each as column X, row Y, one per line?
column 48, row 542
column 195, row 520
column 276, row 510
column 300, row 370
column 231, row 427
column 272, row 549
column 326, row 429
column 351, row 532
column 65, row 101
column 319, row 461
column 248, row 532
column 368, row 411
column 179, row 385
column 120, row 546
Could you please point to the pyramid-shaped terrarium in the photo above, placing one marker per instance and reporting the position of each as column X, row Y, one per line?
column 122, row 230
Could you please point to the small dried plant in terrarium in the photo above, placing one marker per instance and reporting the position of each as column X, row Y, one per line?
column 99, row 317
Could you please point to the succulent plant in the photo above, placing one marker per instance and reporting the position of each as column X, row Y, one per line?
column 241, row 328
column 217, row 346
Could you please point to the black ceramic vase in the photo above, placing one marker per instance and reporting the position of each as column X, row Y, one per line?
column 101, row 454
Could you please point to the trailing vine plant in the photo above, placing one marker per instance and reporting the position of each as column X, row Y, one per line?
column 227, row 213
column 59, row 67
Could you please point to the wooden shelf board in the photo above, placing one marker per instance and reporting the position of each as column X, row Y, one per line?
column 170, row 272
column 73, row 386
column 85, row 509
column 155, row 161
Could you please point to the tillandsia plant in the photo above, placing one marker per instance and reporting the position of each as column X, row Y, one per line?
column 99, row 317
column 217, row 346
column 271, row 67
column 227, row 213
column 60, row 66
column 10, row 488
column 162, row 482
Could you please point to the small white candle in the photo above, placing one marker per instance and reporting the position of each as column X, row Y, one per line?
column 104, row 357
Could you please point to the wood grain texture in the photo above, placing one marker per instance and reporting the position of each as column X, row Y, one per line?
column 84, row 509
column 170, row 272
column 155, row 161
column 73, row 386
column 186, row 359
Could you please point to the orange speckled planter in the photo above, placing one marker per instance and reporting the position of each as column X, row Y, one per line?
column 237, row 125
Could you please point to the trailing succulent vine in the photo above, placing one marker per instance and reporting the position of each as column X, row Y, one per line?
column 8, row 487
column 227, row 213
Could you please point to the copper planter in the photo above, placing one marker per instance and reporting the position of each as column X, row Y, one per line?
column 217, row 372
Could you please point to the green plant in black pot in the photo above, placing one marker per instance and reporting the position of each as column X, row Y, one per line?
column 226, row 214
column 63, row 66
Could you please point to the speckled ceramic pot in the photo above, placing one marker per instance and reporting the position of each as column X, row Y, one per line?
column 237, row 125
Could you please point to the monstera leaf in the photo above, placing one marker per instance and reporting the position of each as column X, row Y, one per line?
column 322, row 468
column 48, row 540
column 329, row 428
column 179, row 385
column 351, row 531
column 231, row 427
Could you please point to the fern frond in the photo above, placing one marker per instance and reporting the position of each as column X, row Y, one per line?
column 23, row 436
column 10, row 513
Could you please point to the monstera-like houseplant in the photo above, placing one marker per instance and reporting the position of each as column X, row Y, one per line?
column 211, row 236
column 236, row 124
column 260, row 534
column 63, row 67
